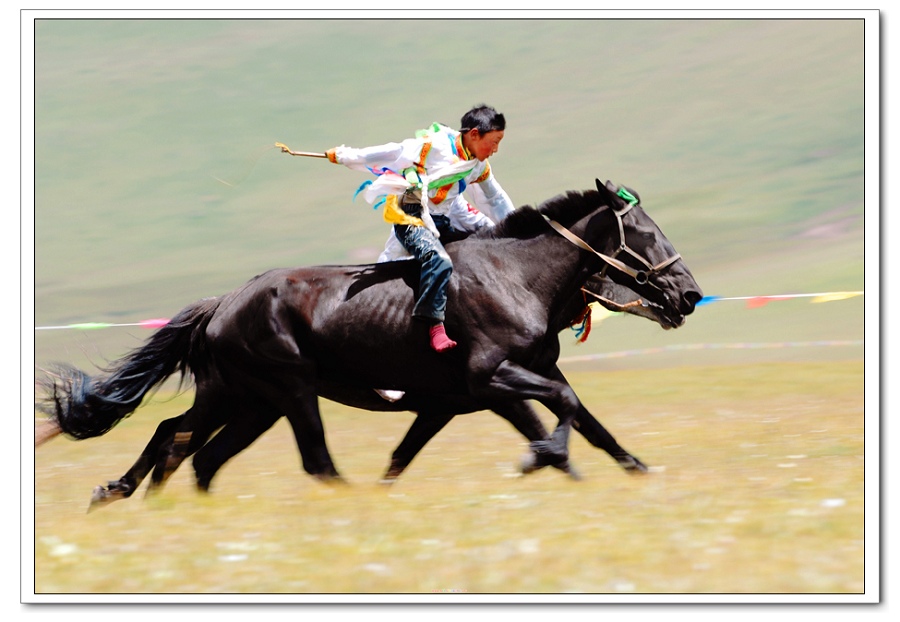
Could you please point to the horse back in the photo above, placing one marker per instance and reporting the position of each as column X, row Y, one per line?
column 348, row 324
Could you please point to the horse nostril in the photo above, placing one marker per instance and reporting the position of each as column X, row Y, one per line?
column 691, row 298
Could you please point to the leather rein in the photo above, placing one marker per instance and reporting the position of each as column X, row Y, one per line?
column 640, row 276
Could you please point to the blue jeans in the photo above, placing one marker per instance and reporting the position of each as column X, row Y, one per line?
column 436, row 265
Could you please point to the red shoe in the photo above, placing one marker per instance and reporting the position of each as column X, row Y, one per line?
column 440, row 342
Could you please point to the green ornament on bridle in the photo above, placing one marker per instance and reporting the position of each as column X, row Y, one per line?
column 630, row 198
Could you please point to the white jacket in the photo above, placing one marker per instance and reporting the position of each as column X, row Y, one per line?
column 426, row 158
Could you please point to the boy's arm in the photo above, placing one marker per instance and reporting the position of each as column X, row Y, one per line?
column 390, row 155
column 491, row 199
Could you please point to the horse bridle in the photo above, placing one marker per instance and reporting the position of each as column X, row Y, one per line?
column 642, row 277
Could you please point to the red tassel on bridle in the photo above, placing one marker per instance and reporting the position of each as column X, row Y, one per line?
column 582, row 325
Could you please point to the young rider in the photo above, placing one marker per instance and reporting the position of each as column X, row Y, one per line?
column 421, row 182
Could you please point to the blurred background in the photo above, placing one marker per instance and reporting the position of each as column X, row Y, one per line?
column 157, row 181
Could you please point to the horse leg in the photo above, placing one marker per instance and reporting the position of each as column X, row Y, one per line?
column 594, row 432
column 599, row 437
column 199, row 424
column 423, row 429
column 512, row 382
column 426, row 426
column 523, row 417
column 309, row 432
column 125, row 486
column 242, row 430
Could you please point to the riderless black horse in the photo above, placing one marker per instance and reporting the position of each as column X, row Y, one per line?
column 237, row 435
column 269, row 348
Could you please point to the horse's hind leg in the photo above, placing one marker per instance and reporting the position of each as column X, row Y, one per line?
column 424, row 427
column 200, row 421
column 243, row 429
column 125, row 486
column 306, row 422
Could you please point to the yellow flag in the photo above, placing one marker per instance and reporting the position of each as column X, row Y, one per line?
column 830, row 297
column 600, row 312
column 394, row 215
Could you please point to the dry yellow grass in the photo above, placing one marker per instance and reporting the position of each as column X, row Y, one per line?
column 757, row 489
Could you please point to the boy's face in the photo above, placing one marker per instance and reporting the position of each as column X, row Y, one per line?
column 482, row 146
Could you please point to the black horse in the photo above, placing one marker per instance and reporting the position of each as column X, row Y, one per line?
column 269, row 348
column 432, row 416
column 427, row 424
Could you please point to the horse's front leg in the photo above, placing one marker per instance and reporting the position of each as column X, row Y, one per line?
column 525, row 420
column 598, row 436
column 512, row 382
column 594, row 432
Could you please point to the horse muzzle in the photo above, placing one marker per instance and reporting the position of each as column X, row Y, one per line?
column 689, row 300
column 673, row 314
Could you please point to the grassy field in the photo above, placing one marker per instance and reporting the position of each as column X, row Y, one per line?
column 757, row 488
column 157, row 183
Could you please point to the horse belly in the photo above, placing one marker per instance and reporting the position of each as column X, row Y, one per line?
column 372, row 341
column 375, row 362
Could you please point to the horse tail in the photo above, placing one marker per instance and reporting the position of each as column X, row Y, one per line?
column 84, row 406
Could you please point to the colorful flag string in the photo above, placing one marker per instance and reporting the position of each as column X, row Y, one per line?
column 753, row 302
column 153, row 323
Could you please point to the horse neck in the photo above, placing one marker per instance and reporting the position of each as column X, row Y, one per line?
column 557, row 274
column 570, row 310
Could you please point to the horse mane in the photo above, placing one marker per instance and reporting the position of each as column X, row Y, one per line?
column 528, row 222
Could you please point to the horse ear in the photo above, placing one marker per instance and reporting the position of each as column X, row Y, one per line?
column 606, row 189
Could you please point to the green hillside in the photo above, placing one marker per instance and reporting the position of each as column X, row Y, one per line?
column 157, row 182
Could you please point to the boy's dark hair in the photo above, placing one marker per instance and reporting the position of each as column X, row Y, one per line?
column 484, row 119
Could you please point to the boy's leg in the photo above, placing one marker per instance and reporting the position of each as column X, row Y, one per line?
column 436, row 269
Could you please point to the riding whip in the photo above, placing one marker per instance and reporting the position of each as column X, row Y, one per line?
column 307, row 154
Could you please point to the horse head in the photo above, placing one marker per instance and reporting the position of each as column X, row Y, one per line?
column 633, row 252
column 621, row 299
column 639, row 257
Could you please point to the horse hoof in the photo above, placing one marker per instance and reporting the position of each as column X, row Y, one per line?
column 569, row 470
column 547, row 453
column 393, row 472
column 548, row 449
column 632, row 465
column 529, row 464
column 103, row 496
